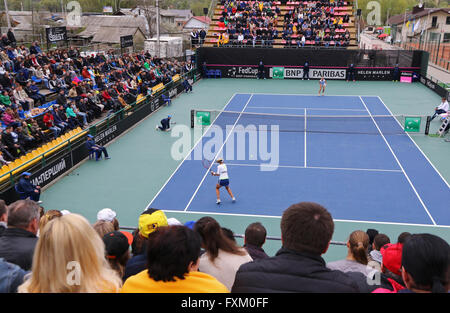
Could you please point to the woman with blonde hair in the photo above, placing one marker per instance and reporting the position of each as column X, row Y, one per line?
column 70, row 258
column 357, row 255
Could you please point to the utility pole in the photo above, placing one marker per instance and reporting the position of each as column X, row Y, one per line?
column 7, row 14
column 158, row 41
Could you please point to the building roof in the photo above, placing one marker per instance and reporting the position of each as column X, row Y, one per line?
column 195, row 20
column 98, row 26
column 401, row 18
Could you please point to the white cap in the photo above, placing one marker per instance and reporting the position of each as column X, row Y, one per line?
column 173, row 222
column 106, row 215
column 64, row 212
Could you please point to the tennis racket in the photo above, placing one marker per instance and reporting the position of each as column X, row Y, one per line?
column 207, row 164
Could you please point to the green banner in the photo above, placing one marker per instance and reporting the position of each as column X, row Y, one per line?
column 278, row 72
column 203, row 118
column 412, row 124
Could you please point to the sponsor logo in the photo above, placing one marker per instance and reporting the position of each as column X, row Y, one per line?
column 50, row 173
column 242, row 72
column 296, row 73
column 173, row 93
column 109, row 132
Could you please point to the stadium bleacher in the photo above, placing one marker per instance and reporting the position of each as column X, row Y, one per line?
column 226, row 12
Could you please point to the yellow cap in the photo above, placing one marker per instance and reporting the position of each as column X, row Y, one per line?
column 150, row 220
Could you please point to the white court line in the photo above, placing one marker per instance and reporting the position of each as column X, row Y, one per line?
column 187, row 155
column 304, row 94
column 315, row 167
column 279, row 217
column 298, row 108
column 305, row 164
column 415, row 144
column 398, row 162
column 221, row 148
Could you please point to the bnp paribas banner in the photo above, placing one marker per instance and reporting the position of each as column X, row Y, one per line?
column 297, row 73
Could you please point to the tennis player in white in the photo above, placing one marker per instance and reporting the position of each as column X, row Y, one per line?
column 224, row 181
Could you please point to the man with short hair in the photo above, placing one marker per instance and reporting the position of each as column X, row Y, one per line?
column 306, row 232
column 255, row 237
column 19, row 240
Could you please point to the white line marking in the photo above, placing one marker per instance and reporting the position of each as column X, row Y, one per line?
column 187, row 155
column 218, row 153
column 445, row 181
column 305, row 164
column 398, row 162
column 316, row 167
column 304, row 94
column 279, row 217
column 299, row 108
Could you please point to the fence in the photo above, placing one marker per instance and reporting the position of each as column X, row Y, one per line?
column 273, row 238
column 439, row 51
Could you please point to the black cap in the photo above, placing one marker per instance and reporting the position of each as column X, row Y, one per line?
column 116, row 244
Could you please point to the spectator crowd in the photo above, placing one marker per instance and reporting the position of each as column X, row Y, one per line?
column 60, row 251
column 84, row 87
column 317, row 23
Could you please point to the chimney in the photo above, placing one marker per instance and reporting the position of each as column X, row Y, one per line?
column 418, row 9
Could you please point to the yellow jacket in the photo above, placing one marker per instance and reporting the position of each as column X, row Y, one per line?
column 193, row 282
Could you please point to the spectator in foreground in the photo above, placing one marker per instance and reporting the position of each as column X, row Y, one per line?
column 70, row 258
column 222, row 257
column 149, row 221
column 19, row 240
column 166, row 274
column 255, row 237
column 306, row 229
column 108, row 215
column 117, row 248
column 378, row 242
column 47, row 217
column 357, row 255
column 371, row 233
column 3, row 216
column 103, row 227
column 403, row 237
column 391, row 277
column 11, row 277
column 426, row 264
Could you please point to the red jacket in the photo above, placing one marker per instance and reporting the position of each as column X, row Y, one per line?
column 48, row 120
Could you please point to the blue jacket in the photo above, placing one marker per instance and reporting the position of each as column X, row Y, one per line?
column 26, row 186
column 11, row 276
column 90, row 144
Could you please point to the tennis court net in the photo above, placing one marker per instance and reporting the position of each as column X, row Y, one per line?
column 363, row 123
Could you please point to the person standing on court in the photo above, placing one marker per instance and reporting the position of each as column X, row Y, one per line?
column 351, row 73
column 261, row 74
column 306, row 71
column 224, row 181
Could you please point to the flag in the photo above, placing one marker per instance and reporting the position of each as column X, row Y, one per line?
column 416, row 26
column 408, row 23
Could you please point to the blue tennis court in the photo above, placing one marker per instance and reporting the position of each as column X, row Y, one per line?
column 348, row 153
